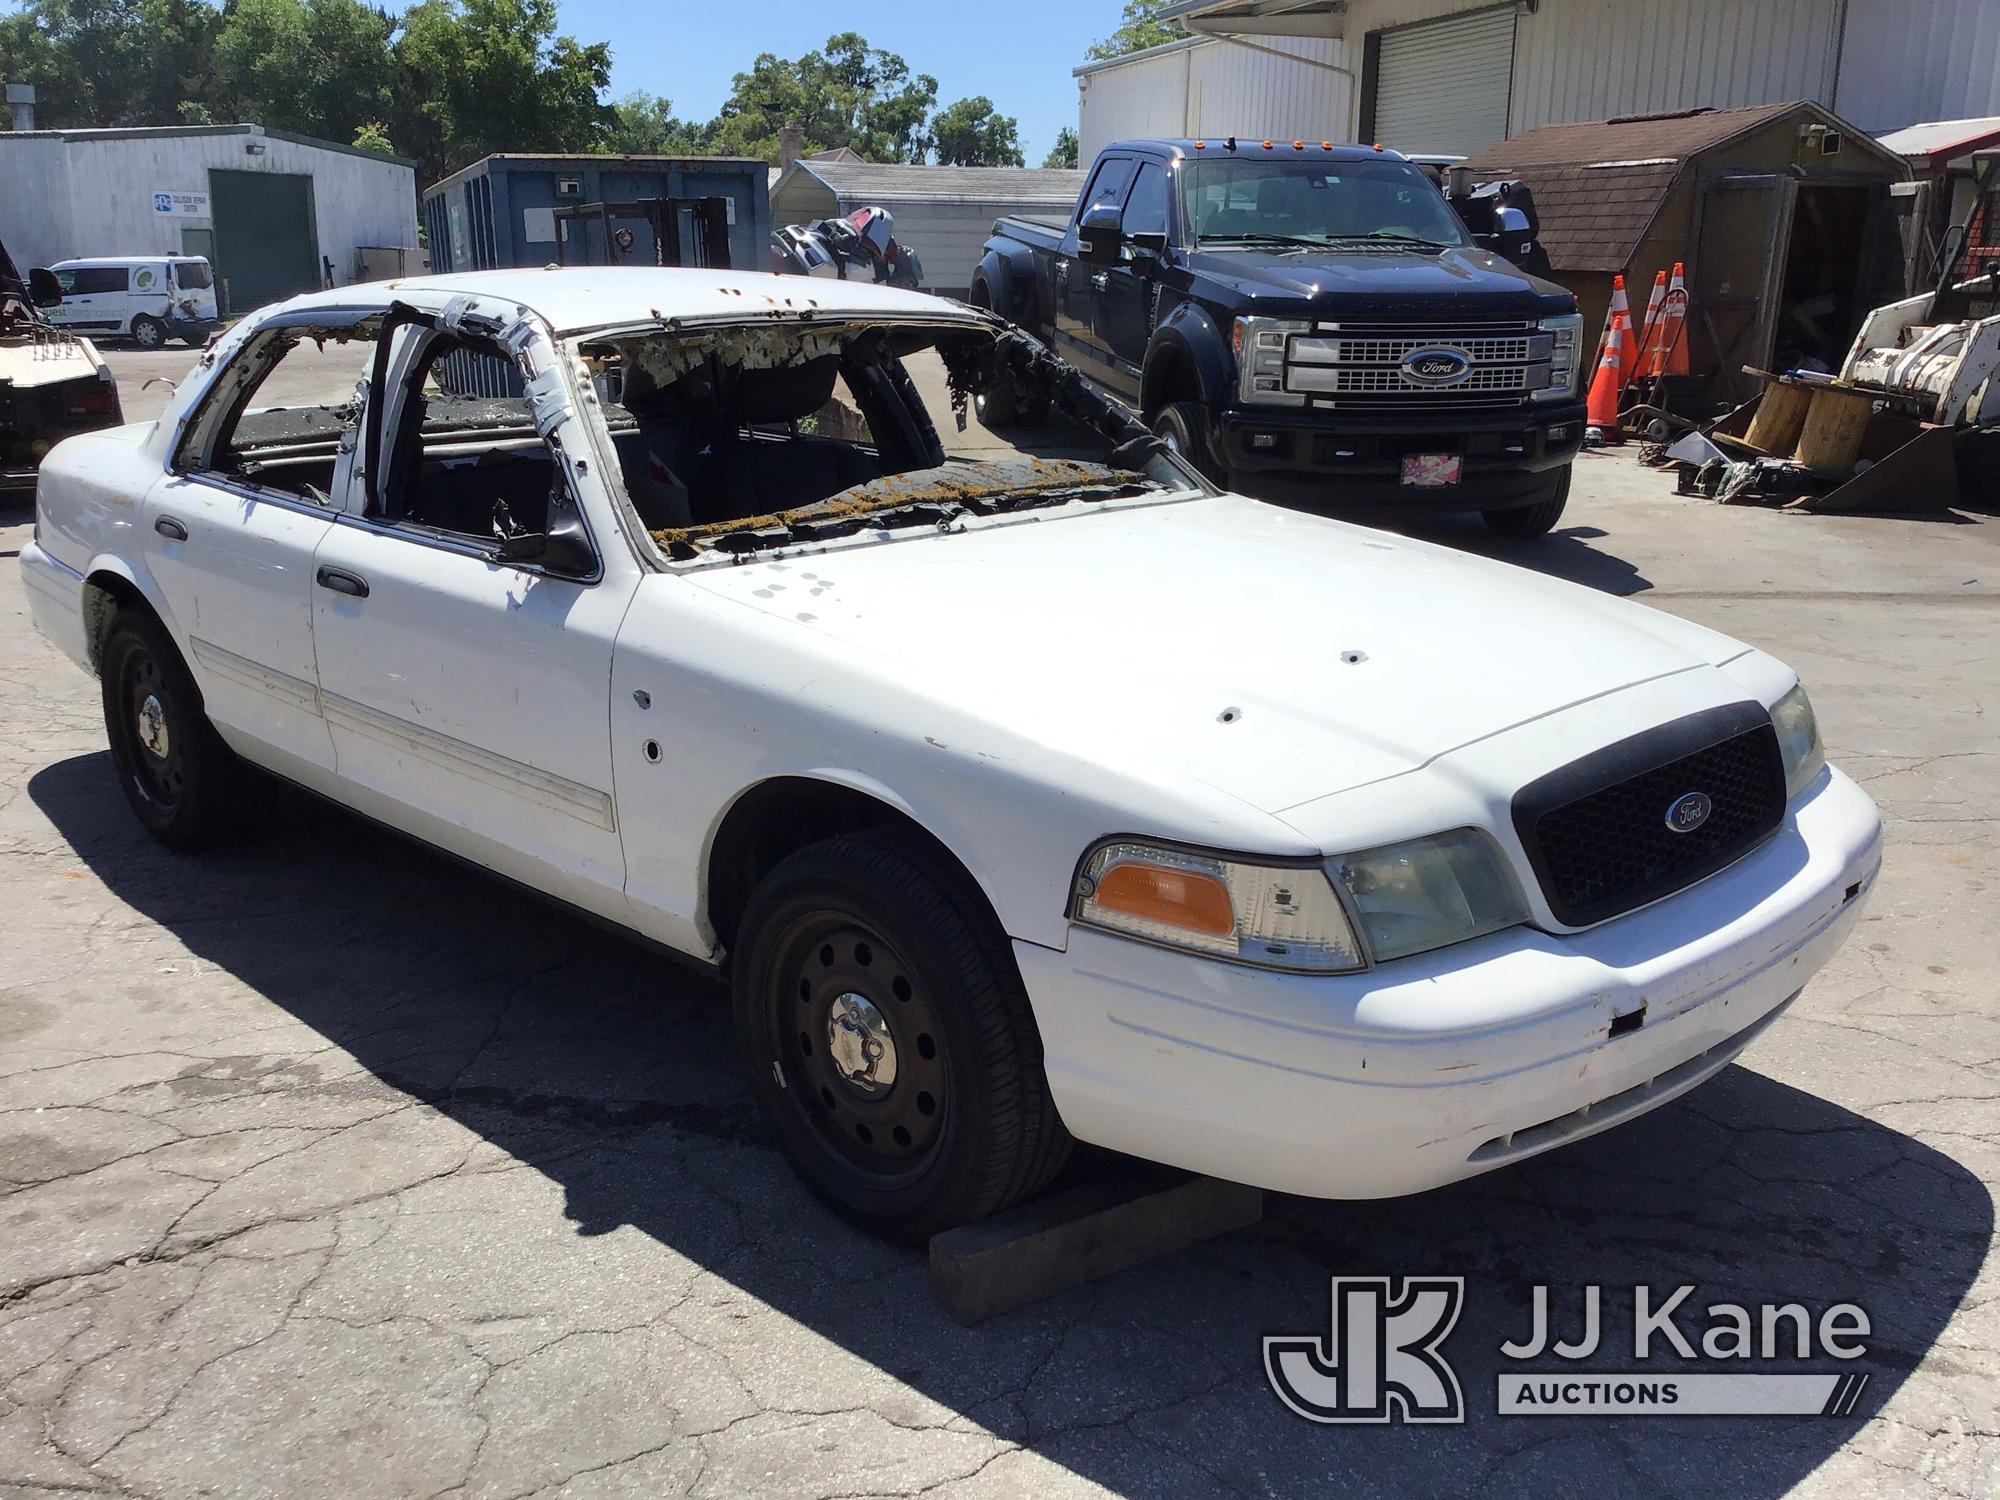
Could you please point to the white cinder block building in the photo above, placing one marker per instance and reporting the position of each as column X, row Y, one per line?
column 1455, row 76
column 274, row 212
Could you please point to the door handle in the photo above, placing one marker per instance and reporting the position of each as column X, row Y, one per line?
column 171, row 529
column 1101, row 280
column 343, row 582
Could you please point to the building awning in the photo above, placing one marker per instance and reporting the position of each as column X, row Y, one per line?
column 1321, row 18
column 1931, row 146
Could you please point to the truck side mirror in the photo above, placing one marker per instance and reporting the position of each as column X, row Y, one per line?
column 43, row 288
column 1098, row 236
column 1148, row 242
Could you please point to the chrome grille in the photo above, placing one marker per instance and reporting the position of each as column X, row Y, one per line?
column 1361, row 364
column 1342, row 350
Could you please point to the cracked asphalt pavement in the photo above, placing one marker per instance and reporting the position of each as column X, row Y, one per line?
column 329, row 1167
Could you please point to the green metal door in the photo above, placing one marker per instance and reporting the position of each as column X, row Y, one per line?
column 265, row 247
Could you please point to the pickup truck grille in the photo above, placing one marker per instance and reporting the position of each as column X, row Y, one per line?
column 1597, row 832
column 1361, row 366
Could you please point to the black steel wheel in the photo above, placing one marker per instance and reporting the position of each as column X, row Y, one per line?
column 889, row 1039
column 172, row 766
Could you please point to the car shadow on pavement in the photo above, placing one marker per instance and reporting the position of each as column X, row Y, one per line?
column 612, row 1072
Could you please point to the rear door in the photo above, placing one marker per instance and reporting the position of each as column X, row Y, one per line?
column 232, row 530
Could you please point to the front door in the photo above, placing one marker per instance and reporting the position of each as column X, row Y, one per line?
column 467, row 695
column 1125, row 306
column 1079, row 283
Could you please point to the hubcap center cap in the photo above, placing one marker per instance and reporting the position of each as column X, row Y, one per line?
column 860, row 1045
column 153, row 727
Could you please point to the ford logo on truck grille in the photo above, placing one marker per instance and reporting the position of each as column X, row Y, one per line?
column 1436, row 366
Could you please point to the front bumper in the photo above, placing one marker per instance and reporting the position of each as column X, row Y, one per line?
column 1339, row 459
column 1435, row 1068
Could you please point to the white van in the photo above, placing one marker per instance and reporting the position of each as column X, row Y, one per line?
column 147, row 299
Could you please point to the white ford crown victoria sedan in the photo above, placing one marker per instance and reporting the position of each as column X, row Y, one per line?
column 1025, row 797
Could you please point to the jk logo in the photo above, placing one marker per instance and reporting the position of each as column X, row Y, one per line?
column 1380, row 1361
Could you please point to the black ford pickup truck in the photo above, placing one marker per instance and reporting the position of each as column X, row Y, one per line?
column 1305, row 321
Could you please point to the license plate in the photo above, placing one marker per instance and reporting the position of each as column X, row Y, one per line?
column 1432, row 471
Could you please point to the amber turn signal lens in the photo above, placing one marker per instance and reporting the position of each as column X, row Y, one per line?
column 1179, row 898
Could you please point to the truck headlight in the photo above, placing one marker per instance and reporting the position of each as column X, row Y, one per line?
column 1274, row 916
column 1430, row 892
column 1798, row 740
column 1566, row 332
column 1259, row 345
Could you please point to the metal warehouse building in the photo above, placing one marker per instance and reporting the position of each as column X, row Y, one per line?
column 1456, row 76
column 274, row 212
column 944, row 214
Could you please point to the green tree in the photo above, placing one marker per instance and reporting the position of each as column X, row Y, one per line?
column 1064, row 152
column 849, row 94
column 109, row 62
column 472, row 77
column 374, row 136
column 320, row 67
column 644, row 124
column 971, row 133
column 1141, row 28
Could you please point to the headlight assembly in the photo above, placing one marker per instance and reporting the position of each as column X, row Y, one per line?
column 1399, row 899
column 1798, row 740
column 1430, row 892
column 1275, row 916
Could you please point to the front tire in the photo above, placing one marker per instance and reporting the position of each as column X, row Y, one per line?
column 149, row 333
column 889, row 1039
column 1537, row 519
column 178, row 776
column 1183, row 427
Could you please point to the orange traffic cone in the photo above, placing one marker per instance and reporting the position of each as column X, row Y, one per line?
column 1671, row 337
column 1649, row 330
column 1609, row 382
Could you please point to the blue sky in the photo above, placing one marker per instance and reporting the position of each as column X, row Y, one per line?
column 1016, row 52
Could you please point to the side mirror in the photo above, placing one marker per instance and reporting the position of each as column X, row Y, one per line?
column 43, row 288
column 1149, row 244
column 563, row 551
column 1098, row 237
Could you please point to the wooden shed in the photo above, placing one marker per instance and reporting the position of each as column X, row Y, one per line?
column 1784, row 216
column 944, row 214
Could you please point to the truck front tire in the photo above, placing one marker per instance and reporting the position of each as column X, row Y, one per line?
column 889, row 1039
column 1183, row 426
column 1537, row 518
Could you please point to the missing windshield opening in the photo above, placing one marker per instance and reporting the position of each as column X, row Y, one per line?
column 742, row 438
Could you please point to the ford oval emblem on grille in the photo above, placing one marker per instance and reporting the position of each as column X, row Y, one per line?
column 1437, row 366
column 1689, row 812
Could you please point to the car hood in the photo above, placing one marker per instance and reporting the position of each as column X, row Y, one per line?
column 1274, row 656
column 1455, row 284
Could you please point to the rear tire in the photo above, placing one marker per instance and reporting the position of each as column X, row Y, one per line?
column 1536, row 519
column 149, row 333
column 889, row 1039
column 183, row 783
column 1183, row 426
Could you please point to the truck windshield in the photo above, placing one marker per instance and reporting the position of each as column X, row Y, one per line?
column 1315, row 202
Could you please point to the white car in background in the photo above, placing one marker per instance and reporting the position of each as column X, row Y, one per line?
column 1023, row 799
column 147, row 299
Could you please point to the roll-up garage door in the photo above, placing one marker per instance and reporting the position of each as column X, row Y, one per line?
column 1443, row 86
